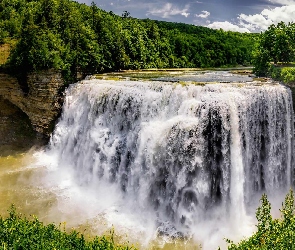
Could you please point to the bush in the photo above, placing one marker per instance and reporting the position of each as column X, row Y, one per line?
column 288, row 74
column 261, row 62
column 275, row 72
column 17, row 232
column 285, row 74
column 275, row 234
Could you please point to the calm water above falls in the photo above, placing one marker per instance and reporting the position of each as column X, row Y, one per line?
column 175, row 160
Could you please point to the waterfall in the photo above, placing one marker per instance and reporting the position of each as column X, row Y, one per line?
column 181, row 154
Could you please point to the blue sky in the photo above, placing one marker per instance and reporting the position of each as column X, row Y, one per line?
column 236, row 15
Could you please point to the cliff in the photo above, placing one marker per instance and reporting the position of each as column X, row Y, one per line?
column 42, row 104
column 16, row 131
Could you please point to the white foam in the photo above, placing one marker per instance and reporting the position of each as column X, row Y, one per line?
column 148, row 155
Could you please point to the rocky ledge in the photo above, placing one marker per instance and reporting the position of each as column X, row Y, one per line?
column 42, row 104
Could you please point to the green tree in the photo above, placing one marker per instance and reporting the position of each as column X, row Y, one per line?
column 271, row 233
column 276, row 44
column 72, row 37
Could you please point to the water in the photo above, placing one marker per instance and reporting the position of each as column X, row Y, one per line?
column 21, row 185
column 170, row 165
column 206, row 76
column 159, row 158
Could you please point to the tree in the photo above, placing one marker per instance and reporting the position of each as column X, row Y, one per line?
column 276, row 44
column 271, row 233
column 261, row 60
column 69, row 36
column 126, row 14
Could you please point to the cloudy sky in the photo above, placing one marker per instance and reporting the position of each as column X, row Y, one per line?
column 236, row 15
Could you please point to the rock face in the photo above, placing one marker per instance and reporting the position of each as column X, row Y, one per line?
column 42, row 104
column 16, row 130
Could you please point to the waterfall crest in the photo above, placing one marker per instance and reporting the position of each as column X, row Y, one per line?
column 178, row 152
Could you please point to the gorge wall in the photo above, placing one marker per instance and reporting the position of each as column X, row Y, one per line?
column 42, row 104
column 16, row 130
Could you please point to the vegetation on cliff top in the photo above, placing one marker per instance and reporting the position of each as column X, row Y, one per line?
column 275, row 49
column 71, row 37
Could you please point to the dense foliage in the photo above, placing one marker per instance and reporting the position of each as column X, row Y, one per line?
column 276, row 44
column 71, row 37
column 275, row 234
column 282, row 73
column 17, row 232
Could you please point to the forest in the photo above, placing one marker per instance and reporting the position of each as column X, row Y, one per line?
column 73, row 37
column 275, row 52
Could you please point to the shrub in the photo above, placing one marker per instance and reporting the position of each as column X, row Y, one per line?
column 17, row 232
column 288, row 74
column 275, row 72
column 275, row 234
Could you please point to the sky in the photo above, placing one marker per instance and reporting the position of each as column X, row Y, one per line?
column 234, row 15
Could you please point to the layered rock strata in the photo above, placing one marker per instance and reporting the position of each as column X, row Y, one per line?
column 43, row 102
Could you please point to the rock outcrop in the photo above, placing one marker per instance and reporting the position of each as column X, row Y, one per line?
column 16, row 131
column 43, row 102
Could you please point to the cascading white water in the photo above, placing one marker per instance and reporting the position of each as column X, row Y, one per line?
column 180, row 155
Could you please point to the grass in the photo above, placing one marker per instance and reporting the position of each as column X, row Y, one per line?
column 18, row 232
column 6, row 48
column 4, row 53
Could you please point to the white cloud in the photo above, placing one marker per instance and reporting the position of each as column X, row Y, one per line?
column 260, row 22
column 204, row 14
column 168, row 10
column 282, row 2
column 227, row 26
column 267, row 17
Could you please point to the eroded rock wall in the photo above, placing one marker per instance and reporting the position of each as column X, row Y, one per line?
column 16, row 130
column 43, row 102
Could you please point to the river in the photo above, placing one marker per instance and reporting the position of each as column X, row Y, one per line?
column 175, row 161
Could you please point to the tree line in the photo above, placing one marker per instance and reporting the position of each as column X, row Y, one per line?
column 71, row 37
column 276, row 46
